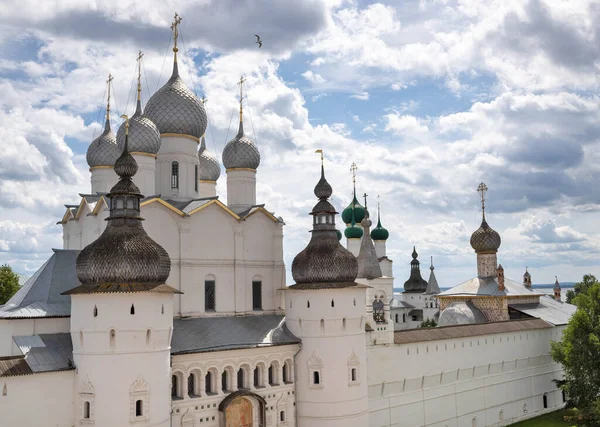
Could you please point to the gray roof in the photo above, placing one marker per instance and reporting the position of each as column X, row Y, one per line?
column 432, row 285
column 174, row 108
column 241, row 152
column 488, row 286
column 461, row 313
column 210, row 170
column 199, row 335
column 41, row 295
column 557, row 313
column 368, row 265
column 400, row 303
column 103, row 151
column 144, row 136
column 47, row 352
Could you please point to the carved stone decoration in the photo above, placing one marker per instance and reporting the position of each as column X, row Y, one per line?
column 315, row 369
column 188, row 419
column 139, row 391
column 87, row 405
column 353, row 363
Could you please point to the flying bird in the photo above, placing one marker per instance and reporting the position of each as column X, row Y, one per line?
column 258, row 40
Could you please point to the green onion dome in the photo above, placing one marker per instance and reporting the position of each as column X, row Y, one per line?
column 359, row 212
column 339, row 234
column 353, row 231
column 379, row 233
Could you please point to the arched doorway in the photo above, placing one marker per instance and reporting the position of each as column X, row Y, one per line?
column 243, row 409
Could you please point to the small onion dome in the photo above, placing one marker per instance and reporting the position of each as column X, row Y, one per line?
column 485, row 239
column 379, row 233
column 241, row 152
column 324, row 260
column 339, row 234
column 144, row 136
column 210, row 170
column 353, row 231
column 174, row 108
column 527, row 275
column 124, row 258
column 359, row 211
column 103, row 151
column 415, row 282
column 461, row 313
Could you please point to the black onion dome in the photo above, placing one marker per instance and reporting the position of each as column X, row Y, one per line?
column 124, row 258
column 415, row 282
column 485, row 239
column 324, row 260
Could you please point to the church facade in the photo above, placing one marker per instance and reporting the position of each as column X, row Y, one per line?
column 186, row 319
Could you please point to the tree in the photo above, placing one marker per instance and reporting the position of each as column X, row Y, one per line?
column 9, row 283
column 579, row 353
column 428, row 323
column 581, row 287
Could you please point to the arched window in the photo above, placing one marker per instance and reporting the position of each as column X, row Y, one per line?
column 316, row 378
column 148, row 337
column 139, row 408
column 271, row 375
column 403, row 317
column 175, row 175
column 332, row 303
column 95, row 311
column 241, row 380
column 174, row 387
column 209, row 294
column 344, row 324
column 501, row 415
column 474, row 422
column 307, row 304
column 353, row 374
column 132, row 309
column 564, row 396
column 256, row 377
column 397, row 317
column 81, row 339
column 287, row 372
column 256, row 295
column 208, row 383
column 162, row 309
column 86, row 410
column 191, row 385
column 282, row 416
column 322, row 325
column 545, row 400
column 225, row 382
column 195, row 177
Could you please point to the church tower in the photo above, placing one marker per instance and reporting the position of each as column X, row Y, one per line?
column 557, row 290
column 326, row 309
column 103, row 153
column 122, row 317
column 485, row 241
column 352, row 217
column 181, row 120
column 241, row 159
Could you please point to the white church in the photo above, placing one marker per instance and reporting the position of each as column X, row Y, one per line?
column 186, row 319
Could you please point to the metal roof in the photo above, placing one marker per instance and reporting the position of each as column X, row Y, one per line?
column 557, row 313
column 41, row 295
column 13, row 366
column 464, row 331
column 46, row 352
column 400, row 303
column 199, row 335
column 488, row 286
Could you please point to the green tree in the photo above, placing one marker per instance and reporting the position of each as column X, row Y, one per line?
column 9, row 283
column 428, row 323
column 579, row 353
column 581, row 287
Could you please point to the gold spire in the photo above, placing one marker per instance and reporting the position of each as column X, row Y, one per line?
column 321, row 152
column 482, row 189
column 241, row 83
column 139, row 88
column 175, row 29
column 108, row 82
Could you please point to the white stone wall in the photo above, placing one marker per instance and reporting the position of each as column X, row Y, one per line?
column 241, row 189
column 185, row 152
column 103, row 179
column 331, row 324
column 10, row 328
column 380, row 288
column 145, row 178
column 451, row 382
column 122, row 357
column 202, row 408
column 37, row 400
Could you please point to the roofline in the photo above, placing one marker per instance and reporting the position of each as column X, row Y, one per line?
column 165, row 204
column 57, row 316
column 262, row 209
column 230, row 348
column 220, row 204
column 40, row 372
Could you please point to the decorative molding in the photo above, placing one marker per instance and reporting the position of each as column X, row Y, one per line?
column 139, row 385
column 180, row 135
column 139, row 153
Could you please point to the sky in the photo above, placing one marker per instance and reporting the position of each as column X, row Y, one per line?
column 427, row 97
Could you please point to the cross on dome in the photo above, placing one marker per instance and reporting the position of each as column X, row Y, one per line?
column 139, row 86
column 175, row 28
column 108, row 82
column 241, row 84
column 482, row 189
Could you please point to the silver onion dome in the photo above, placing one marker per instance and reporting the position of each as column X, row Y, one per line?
column 210, row 170
column 324, row 261
column 485, row 239
column 241, row 152
column 174, row 108
column 144, row 136
column 103, row 151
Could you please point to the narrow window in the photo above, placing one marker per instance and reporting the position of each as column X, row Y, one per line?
column 257, row 295
column 353, row 374
column 286, row 378
column 162, row 309
column 316, row 377
column 112, row 334
column 139, row 408
column 404, row 318
column 195, row 177
column 209, row 295
column 4, row 390
column 86, row 410
column 257, row 377
column 344, row 324
column 271, row 376
column 148, row 336
column 175, row 175
column 354, row 302
column 322, row 325
column 95, row 311
column 545, row 401
column 174, row 394
column 564, row 396
column 224, row 382
column 81, row 339
column 282, row 416
column 307, row 304
column 396, row 317
column 192, row 385
column 240, row 379
column 132, row 309
column 332, row 303
column 208, row 388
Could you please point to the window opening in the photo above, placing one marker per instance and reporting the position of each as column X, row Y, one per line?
column 175, row 175
column 195, row 177
column 545, row 401
column 240, row 379
column 271, row 375
column 256, row 377
column 282, row 416
column 257, row 295
column 208, row 388
column 139, row 408
column 95, row 311
column 209, row 295
column 192, row 385
column 353, row 374
column 132, row 309
column 316, row 377
column 174, row 386
column 112, row 334
column 332, row 303
column 224, row 382
column 86, row 410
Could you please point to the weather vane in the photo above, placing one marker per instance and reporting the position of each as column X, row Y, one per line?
column 482, row 189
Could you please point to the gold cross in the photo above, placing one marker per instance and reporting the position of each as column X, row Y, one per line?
column 482, row 189
column 365, row 196
column 353, row 168
column 139, row 60
column 175, row 29
column 241, row 83
column 108, row 82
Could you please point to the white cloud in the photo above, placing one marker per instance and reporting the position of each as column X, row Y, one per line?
column 362, row 96
column 312, row 77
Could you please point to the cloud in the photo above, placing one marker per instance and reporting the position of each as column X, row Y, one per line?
column 362, row 96
column 312, row 77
